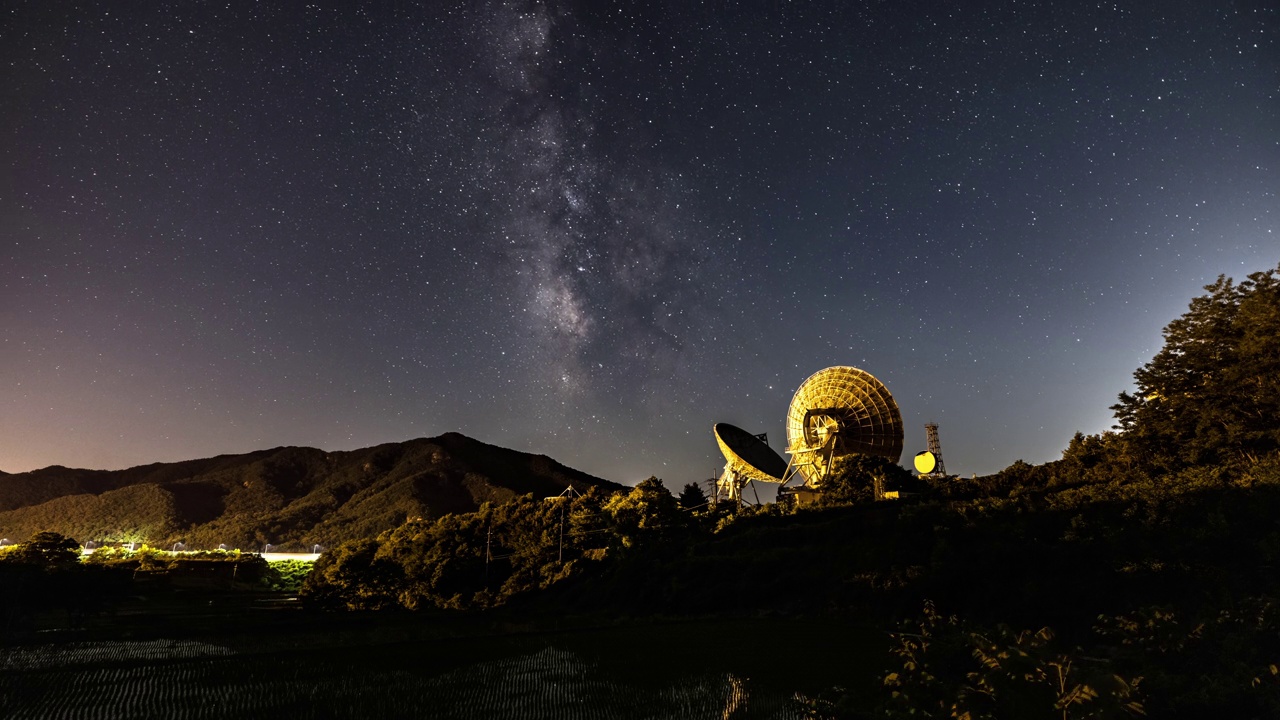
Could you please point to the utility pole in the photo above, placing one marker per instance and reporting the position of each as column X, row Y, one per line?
column 561, row 558
column 488, row 551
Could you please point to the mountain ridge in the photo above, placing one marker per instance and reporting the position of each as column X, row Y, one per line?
column 285, row 496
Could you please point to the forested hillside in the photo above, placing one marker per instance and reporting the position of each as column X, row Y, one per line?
column 289, row 497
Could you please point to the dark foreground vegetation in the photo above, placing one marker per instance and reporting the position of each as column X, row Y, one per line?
column 1139, row 574
column 45, row 583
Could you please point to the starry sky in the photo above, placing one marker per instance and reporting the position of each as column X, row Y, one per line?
column 594, row 229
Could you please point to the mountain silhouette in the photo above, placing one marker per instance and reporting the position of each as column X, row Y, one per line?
column 288, row 496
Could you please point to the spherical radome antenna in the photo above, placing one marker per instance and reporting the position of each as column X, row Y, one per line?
column 925, row 462
column 841, row 411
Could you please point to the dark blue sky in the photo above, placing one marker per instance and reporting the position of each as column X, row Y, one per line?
column 592, row 231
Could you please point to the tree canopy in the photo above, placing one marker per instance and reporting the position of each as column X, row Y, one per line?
column 485, row 558
column 48, row 549
column 853, row 477
column 1212, row 393
column 692, row 497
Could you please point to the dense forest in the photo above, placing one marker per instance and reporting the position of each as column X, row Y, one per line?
column 1138, row 574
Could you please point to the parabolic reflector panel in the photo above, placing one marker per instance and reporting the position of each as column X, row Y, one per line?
column 748, row 455
column 849, row 404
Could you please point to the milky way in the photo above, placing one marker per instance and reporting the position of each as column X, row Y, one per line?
column 607, row 262
column 592, row 230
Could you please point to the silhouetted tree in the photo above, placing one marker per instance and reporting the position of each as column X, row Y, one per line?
column 648, row 510
column 353, row 576
column 692, row 497
column 48, row 549
column 1212, row 393
column 852, row 478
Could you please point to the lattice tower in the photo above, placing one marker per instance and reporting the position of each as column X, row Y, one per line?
column 935, row 447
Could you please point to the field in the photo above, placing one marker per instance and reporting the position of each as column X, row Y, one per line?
column 687, row 670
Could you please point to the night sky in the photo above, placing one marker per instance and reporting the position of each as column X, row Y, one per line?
column 594, row 229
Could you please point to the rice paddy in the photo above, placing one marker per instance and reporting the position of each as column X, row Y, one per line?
column 188, row 680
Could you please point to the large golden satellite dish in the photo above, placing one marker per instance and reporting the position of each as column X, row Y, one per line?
column 841, row 411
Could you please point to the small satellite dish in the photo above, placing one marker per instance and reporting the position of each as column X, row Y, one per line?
column 748, row 456
column 841, row 411
column 925, row 462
